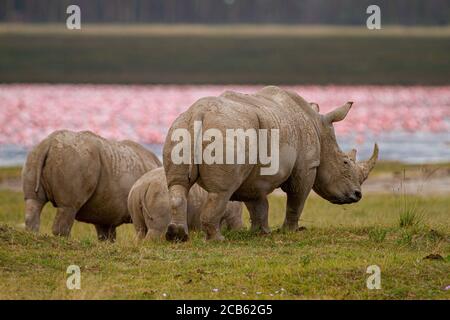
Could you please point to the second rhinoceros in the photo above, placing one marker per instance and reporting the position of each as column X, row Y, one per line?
column 148, row 203
column 86, row 177
column 309, row 158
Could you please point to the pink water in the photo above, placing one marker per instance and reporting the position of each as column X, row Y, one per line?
column 143, row 113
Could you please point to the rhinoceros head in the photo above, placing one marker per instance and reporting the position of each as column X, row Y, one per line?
column 339, row 176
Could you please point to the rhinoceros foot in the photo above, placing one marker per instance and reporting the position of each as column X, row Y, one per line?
column 259, row 230
column 176, row 232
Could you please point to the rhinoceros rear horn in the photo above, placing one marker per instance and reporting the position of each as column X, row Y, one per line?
column 352, row 154
column 367, row 166
column 338, row 114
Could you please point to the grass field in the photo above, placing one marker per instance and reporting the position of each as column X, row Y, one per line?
column 382, row 168
column 233, row 54
column 328, row 260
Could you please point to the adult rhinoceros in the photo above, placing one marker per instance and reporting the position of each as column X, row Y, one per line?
column 86, row 177
column 309, row 159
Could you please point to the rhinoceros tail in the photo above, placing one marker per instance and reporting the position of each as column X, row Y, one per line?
column 41, row 157
column 193, row 167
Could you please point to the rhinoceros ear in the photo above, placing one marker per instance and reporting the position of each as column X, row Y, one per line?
column 352, row 154
column 338, row 114
column 315, row 106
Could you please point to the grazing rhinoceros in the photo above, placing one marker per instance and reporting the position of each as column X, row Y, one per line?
column 86, row 177
column 148, row 204
column 309, row 158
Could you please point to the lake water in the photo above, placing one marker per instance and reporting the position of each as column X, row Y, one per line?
column 400, row 146
column 410, row 124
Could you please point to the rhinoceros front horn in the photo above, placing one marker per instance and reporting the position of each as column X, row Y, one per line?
column 367, row 166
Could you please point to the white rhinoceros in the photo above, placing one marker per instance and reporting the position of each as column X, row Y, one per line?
column 148, row 203
column 309, row 158
column 86, row 177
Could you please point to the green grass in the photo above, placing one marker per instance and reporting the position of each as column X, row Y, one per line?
column 409, row 217
column 328, row 260
column 10, row 173
column 221, row 55
column 382, row 168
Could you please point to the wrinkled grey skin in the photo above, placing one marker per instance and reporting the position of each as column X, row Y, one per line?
column 148, row 204
column 86, row 177
column 309, row 159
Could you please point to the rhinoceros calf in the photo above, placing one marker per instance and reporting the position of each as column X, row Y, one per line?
column 148, row 203
column 309, row 158
column 86, row 177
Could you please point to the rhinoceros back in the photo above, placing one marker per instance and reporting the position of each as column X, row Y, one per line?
column 121, row 165
column 90, row 174
column 270, row 108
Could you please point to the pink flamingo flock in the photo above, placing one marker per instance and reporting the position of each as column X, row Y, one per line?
column 29, row 112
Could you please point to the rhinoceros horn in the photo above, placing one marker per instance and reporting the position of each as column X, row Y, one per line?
column 367, row 166
column 352, row 154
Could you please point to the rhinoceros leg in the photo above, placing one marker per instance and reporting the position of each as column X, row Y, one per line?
column 233, row 216
column 105, row 232
column 295, row 203
column 178, row 228
column 33, row 210
column 64, row 221
column 212, row 214
column 259, row 215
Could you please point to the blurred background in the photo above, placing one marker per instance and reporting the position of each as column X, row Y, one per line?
column 329, row 12
column 136, row 65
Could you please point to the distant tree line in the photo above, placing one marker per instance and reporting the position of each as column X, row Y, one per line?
column 346, row 12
